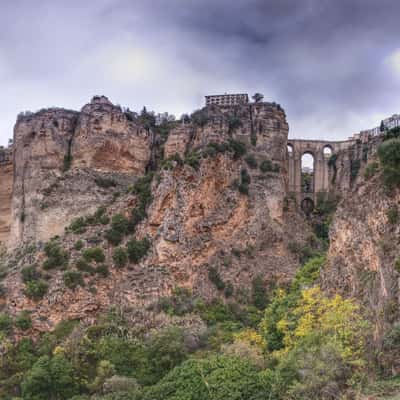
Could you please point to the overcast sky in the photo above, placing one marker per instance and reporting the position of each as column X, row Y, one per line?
column 334, row 65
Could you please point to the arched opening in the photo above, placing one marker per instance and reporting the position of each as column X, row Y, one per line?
column 327, row 151
column 307, row 173
column 307, row 205
column 290, row 150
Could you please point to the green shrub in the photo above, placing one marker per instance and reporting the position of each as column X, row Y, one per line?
column 215, row 278
column 220, row 377
column 6, row 323
column 30, row 273
column 102, row 270
column 114, row 237
column 371, row 169
column 78, row 225
column 23, row 321
column 137, row 249
column 258, row 292
column 82, row 265
column 389, row 156
column 269, row 166
column 228, row 291
column 73, row 279
column 94, row 254
column 120, row 257
column 251, row 161
column 56, row 257
column 392, row 215
column 119, row 223
column 193, row 159
column 78, row 245
column 245, row 177
column 238, row 148
column 36, row 289
column 50, row 378
column 243, row 188
column 397, row 265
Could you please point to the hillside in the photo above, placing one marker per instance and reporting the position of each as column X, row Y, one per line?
column 137, row 254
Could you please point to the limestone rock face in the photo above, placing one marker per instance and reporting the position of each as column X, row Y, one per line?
column 6, row 179
column 106, row 140
column 198, row 218
column 58, row 158
column 41, row 142
column 362, row 253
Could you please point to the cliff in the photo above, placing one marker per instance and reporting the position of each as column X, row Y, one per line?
column 213, row 215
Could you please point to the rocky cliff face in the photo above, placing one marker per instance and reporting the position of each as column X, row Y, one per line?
column 213, row 207
column 62, row 161
column 363, row 251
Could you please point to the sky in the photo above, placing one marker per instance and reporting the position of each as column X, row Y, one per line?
column 333, row 65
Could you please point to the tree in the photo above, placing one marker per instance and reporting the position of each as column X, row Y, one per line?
column 382, row 127
column 257, row 97
column 49, row 378
column 216, row 378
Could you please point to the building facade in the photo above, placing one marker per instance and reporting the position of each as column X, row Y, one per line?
column 227, row 99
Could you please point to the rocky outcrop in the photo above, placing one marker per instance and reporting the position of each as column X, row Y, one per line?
column 6, row 179
column 106, row 139
column 61, row 159
column 213, row 209
column 363, row 251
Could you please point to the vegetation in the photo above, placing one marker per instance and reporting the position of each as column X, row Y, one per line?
column 137, row 249
column 120, row 257
column 94, row 254
column 56, row 256
column 389, row 156
column 392, row 215
column 371, row 169
column 269, row 166
column 73, row 279
column 251, row 161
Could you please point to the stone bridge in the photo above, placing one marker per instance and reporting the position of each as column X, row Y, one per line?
column 321, row 178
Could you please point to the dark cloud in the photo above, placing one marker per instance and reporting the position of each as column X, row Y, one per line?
column 333, row 65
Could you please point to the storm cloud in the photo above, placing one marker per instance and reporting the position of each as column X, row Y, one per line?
column 334, row 65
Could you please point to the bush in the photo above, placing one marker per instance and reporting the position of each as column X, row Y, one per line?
column 219, row 378
column 114, row 237
column 234, row 123
column 258, row 292
column 30, row 273
column 78, row 225
column 228, row 292
column 82, row 265
column 251, row 161
column 371, row 169
column 120, row 257
column 215, row 278
column 119, row 223
column 36, row 289
column 23, row 321
column 355, row 166
column 397, row 265
column 78, row 245
column 56, row 257
column 268, row 166
column 389, row 156
column 73, row 279
column 94, row 254
column 238, row 148
column 102, row 270
column 6, row 323
column 392, row 215
column 137, row 249
column 49, row 378
column 193, row 159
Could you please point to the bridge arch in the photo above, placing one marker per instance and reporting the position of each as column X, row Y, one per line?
column 322, row 151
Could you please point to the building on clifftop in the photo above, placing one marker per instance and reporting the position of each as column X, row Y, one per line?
column 227, row 99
